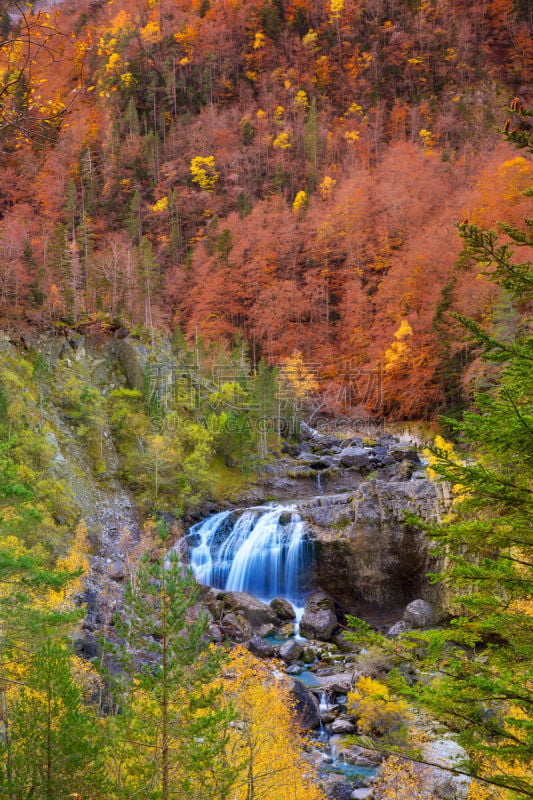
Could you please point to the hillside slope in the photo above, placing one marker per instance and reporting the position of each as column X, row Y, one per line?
column 289, row 171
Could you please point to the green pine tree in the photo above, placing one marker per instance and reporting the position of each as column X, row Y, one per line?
column 52, row 745
column 169, row 735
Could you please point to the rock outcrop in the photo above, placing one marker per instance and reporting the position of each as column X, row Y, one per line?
column 419, row 614
column 282, row 608
column 306, row 706
column 353, row 496
column 365, row 551
column 319, row 619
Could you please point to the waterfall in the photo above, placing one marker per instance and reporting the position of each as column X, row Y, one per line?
column 263, row 551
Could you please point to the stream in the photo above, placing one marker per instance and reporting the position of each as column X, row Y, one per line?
column 265, row 551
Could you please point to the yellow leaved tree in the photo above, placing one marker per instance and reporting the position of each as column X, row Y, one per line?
column 398, row 349
column 300, row 202
column 264, row 734
column 377, row 711
column 76, row 561
column 297, row 377
column 203, row 172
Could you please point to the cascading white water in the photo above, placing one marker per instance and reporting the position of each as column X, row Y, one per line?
column 263, row 551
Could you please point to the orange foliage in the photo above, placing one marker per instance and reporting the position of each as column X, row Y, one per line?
column 383, row 127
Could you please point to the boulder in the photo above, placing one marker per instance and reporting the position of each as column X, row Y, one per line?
column 382, row 456
column 419, row 475
column 266, row 630
column 77, row 341
column 401, row 452
column 117, row 571
column 287, row 629
column 439, row 782
column 326, row 440
column 282, row 608
column 260, row 647
column 236, row 627
column 212, row 601
column 122, row 333
column 342, row 726
column 256, row 612
column 306, row 433
column 133, row 357
column 419, row 614
column 290, row 651
column 353, row 754
column 88, row 647
column 397, row 629
column 215, row 633
column 355, row 457
column 340, row 683
column 306, row 706
column 362, row 794
column 365, row 552
column 338, row 789
column 319, row 619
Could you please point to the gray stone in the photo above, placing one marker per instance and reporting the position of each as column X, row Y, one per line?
column 215, row 633
column 58, row 457
column 341, row 682
column 338, row 789
column 133, row 357
column 353, row 754
column 290, row 651
column 306, row 706
column 236, row 627
column 446, row 753
column 343, row 726
column 319, row 619
column 438, row 781
column 419, row 475
column 419, row 614
column 260, row 647
column 266, row 630
column 355, row 457
column 117, row 571
column 327, row 440
column 212, row 601
column 77, row 341
column 256, row 612
column 282, row 608
column 397, row 629
column 362, row 794
column 404, row 452
column 306, row 433
column 88, row 647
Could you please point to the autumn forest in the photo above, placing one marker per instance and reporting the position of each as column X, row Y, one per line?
column 266, row 422
column 286, row 172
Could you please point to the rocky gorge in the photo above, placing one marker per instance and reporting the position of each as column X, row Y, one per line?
column 334, row 504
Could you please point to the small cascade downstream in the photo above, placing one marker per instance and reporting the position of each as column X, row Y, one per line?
column 263, row 551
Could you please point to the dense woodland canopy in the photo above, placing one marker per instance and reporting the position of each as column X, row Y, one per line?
column 288, row 170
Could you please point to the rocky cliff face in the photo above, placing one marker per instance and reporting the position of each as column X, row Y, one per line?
column 366, row 556
column 365, row 552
